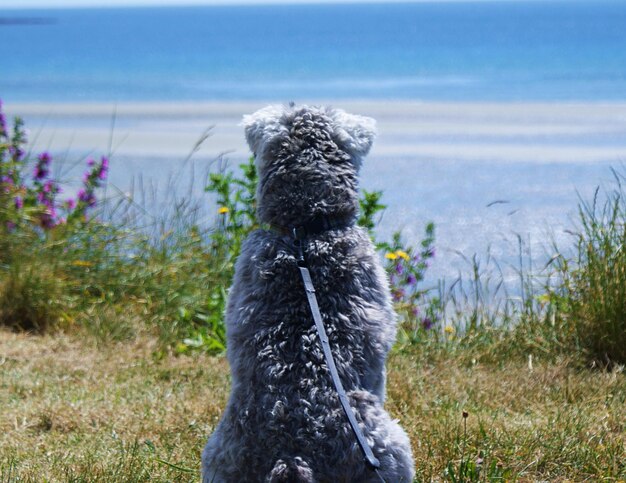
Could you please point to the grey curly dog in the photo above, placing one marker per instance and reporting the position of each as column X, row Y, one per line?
column 283, row 421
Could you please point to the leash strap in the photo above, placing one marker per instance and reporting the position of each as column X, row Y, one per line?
column 371, row 460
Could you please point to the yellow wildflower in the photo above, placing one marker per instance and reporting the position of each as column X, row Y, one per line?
column 82, row 263
column 391, row 256
column 449, row 329
column 402, row 254
column 223, row 210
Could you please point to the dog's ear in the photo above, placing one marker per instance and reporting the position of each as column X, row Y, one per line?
column 355, row 133
column 263, row 125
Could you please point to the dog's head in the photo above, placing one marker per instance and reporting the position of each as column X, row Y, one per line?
column 307, row 159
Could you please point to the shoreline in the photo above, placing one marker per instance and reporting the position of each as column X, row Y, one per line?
column 437, row 131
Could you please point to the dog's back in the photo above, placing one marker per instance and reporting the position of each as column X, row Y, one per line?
column 283, row 421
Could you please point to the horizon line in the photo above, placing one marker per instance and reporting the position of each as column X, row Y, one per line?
column 82, row 4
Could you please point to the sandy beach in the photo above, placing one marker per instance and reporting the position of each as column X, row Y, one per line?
column 483, row 172
column 507, row 132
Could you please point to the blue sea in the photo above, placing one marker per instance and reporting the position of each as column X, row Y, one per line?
column 501, row 51
column 448, row 164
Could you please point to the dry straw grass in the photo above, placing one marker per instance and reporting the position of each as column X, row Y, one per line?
column 74, row 411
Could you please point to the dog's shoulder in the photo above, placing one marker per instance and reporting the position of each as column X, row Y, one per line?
column 264, row 244
column 264, row 252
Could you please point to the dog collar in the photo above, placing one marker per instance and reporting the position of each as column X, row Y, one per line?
column 315, row 226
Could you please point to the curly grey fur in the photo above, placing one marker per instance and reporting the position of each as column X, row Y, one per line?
column 283, row 421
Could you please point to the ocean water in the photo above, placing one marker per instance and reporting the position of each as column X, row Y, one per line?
column 449, row 166
column 545, row 50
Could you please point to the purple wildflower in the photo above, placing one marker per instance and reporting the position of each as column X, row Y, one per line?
column 411, row 279
column 19, row 203
column 3, row 122
column 91, row 162
column 47, row 221
column 11, row 226
column 16, row 153
column 45, row 158
column 70, row 204
column 86, row 197
column 393, row 279
column 48, row 218
column 399, row 268
column 398, row 294
column 415, row 310
column 427, row 323
column 6, row 182
column 42, row 168
column 104, row 168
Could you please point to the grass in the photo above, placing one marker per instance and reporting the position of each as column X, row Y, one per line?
column 594, row 288
column 111, row 340
column 74, row 411
column 549, row 423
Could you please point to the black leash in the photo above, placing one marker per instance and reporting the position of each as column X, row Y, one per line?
column 298, row 234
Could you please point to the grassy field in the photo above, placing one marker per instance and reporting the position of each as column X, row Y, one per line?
column 112, row 338
column 72, row 411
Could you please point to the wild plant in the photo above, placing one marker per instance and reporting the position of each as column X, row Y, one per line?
column 34, row 202
column 371, row 210
column 34, row 224
column 592, row 295
column 236, row 210
column 236, row 205
column 473, row 468
column 419, row 310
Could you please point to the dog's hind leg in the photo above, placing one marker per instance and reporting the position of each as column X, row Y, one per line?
column 214, row 469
